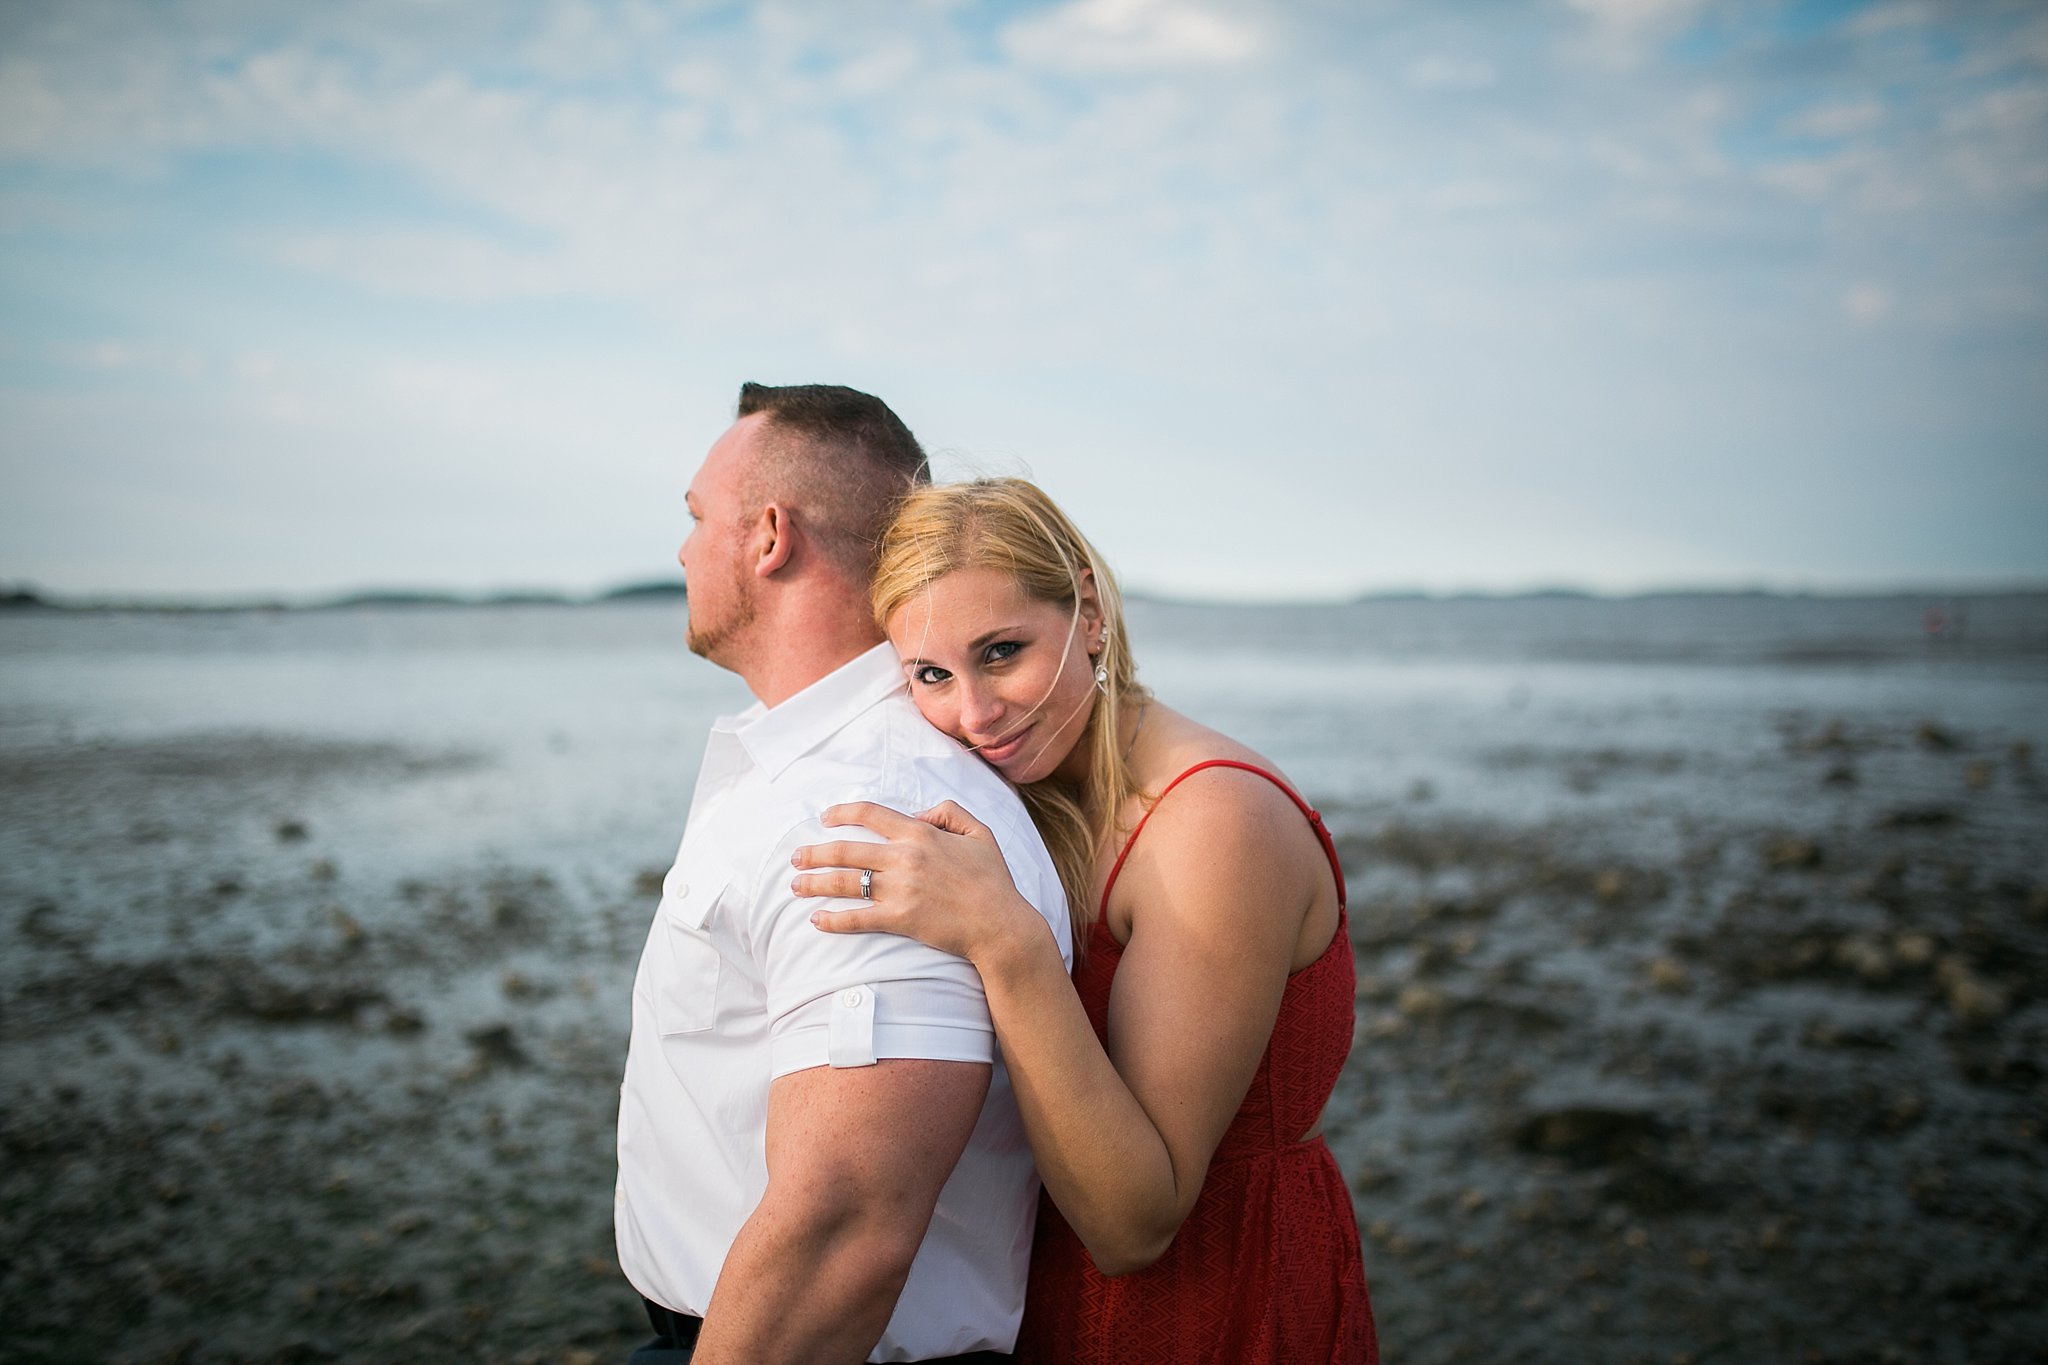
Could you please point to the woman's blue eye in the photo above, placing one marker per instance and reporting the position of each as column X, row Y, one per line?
column 929, row 674
column 1002, row 649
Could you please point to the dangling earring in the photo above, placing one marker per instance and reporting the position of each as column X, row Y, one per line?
column 1102, row 678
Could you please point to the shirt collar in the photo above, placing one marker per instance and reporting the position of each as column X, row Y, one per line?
column 777, row 736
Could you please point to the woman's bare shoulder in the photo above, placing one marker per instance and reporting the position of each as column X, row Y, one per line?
column 1218, row 814
column 1182, row 744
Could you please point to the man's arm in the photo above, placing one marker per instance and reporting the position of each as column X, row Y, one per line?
column 856, row 1159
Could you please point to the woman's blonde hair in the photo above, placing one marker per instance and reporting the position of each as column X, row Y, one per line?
column 1010, row 524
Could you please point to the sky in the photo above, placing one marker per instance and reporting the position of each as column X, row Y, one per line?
column 1280, row 298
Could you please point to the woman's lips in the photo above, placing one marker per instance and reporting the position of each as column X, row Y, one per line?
column 996, row 753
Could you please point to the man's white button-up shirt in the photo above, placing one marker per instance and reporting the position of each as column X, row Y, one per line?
column 736, row 987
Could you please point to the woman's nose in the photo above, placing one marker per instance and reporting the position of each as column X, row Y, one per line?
column 980, row 708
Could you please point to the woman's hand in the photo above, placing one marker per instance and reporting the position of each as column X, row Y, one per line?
column 939, row 878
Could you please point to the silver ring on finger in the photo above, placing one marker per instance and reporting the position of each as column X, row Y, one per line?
column 867, row 883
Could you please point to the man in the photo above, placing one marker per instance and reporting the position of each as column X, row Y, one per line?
column 797, row 1105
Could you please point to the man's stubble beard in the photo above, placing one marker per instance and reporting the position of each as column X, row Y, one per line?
column 714, row 641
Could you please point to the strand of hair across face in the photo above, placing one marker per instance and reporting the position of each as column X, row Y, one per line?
column 1066, row 653
column 1066, row 648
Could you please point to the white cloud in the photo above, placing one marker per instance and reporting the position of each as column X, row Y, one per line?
column 444, row 265
column 2010, row 109
column 1888, row 18
column 1866, row 303
column 257, row 367
column 1844, row 119
column 1625, row 33
column 144, row 357
column 1085, row 35
column 1451, row 73
column 1636, row 14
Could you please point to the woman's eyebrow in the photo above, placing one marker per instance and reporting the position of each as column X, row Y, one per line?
column 988, row 636
column 985, row 638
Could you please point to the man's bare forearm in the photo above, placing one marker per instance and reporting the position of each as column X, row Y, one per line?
column 816, row 1270
column 807, row 1283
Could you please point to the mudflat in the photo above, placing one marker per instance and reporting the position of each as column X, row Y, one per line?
column 1702, row 1009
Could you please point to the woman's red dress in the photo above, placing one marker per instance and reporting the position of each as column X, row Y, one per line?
column 1266, row 1270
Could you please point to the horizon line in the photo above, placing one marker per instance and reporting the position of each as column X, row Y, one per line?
column 28, row 596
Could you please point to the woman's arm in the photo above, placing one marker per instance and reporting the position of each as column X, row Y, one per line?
column 1220, row 883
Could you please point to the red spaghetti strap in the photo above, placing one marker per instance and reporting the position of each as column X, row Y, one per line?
column 1315, row 821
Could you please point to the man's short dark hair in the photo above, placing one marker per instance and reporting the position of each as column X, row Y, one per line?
column 842, row 419
column 840, row 459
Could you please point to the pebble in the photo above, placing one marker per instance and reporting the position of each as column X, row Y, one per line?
column 346, row 925
column 497, row 1045
column 1919, row 817
column 1368, row 1178
column 1591, row 1134
column 1971, row 998
column 1864, row 956
column 406, row 1222
column 1913, row 949
column 1789, row 853
column 1387, row 1024
column 1931, row 735
column 518, row 986
column 1418, row 1000
column 1669, row 975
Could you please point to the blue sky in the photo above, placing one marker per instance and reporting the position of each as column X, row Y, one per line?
column 1294, row 299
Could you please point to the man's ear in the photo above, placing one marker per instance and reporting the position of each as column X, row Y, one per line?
column 774, row 540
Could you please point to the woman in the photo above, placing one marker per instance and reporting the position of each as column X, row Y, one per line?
column 1172, row 1089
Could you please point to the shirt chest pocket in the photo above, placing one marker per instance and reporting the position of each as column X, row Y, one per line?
column 686, row 1000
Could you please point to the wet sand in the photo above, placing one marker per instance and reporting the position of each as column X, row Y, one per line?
column 1627, row 1085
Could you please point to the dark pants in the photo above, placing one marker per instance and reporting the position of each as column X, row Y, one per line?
column 675, row 1339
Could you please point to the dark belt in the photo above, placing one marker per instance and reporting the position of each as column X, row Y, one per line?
column 675, row 1337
